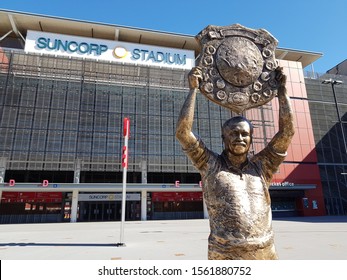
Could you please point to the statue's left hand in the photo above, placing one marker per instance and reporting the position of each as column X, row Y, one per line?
column 280, row 77
column 195, row 77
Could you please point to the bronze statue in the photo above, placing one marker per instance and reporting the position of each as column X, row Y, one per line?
column 236, row 185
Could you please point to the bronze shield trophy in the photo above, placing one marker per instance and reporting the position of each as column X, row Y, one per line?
column 238, row 66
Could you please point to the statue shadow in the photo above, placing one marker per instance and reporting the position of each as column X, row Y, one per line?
column 34, row 244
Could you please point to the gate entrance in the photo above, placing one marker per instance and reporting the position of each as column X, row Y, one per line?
column 108, row 211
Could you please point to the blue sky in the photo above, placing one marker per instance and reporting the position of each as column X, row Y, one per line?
column 316, row 26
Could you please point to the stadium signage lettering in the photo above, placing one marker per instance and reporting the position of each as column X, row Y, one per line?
column 107, row 50
column 98, row 49
column 108, row 197
column 72, row 46
column 282, row 184
column 146, row 55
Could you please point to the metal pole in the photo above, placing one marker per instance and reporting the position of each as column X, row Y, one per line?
column 123, row 204
column 126, row 127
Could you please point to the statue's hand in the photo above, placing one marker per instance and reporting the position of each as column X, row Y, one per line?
column 280, row 77
column 195, row 77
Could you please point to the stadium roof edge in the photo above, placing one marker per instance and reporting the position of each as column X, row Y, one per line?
column 23, row 21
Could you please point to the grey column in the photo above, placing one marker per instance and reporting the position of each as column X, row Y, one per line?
column 3, row 161
column 143, row 192
column 74, row 206
column 143, row 205
column 143, row 171
column 2, row 172
column 76, row 180
column 77, row 171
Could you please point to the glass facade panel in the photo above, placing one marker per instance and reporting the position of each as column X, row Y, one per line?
column 329, row 140
column 56, row 110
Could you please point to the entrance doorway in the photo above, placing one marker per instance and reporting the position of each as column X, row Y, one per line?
column 108, row 211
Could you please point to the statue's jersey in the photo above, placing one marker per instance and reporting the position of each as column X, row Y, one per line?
column 238, row 202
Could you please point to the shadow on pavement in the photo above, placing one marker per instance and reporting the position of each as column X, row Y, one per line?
column 314, row 219
column 33, row 244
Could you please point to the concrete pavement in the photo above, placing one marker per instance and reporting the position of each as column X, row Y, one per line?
column 303, row 238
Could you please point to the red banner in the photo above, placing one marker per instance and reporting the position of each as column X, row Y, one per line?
column 8, row 197
column 176, row 196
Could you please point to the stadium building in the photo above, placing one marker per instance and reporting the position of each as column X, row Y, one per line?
column 65, row 88
column 327, row 96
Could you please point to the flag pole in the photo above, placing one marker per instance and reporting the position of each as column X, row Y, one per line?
column 126, row 130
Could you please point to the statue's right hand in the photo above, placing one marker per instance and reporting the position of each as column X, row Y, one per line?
column 195, row 77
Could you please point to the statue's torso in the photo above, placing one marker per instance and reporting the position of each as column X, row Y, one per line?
column 238, row 204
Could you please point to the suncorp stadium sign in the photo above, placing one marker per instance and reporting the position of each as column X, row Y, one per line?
column 114, row 51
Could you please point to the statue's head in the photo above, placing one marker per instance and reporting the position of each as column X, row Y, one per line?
column 237, row 135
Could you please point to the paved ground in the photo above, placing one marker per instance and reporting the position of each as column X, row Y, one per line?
column 307, row 238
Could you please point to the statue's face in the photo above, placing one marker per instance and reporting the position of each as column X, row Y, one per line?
column 237, row 138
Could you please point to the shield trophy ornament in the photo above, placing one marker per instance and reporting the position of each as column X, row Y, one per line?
column 238, row 66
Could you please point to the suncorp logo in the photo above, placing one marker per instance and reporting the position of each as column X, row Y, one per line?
column 120, row 52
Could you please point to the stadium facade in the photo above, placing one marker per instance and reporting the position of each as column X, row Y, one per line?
column 66, row 86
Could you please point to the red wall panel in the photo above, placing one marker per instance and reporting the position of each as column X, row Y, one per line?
column 300, row 165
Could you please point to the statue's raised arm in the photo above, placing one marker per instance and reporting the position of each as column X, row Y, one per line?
column 281, row 141
column 184, row 126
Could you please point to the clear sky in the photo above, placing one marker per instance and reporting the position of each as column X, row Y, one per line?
column 316, row 26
